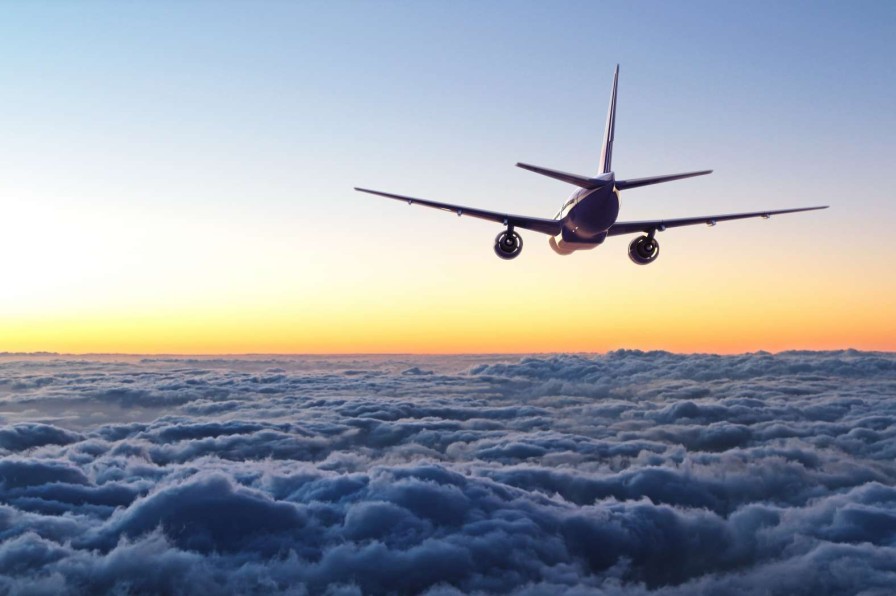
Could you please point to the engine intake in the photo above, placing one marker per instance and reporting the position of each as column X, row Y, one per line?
column 643, row 250
column 508, row 244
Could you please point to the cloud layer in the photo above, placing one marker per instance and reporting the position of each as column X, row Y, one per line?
column 630, row 472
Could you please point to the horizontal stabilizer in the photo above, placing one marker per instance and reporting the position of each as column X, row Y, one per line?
column 582, row 181
column 636, row 182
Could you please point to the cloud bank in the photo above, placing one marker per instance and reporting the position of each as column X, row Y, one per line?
column 631, row 472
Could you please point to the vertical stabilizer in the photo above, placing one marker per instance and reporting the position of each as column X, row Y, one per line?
column 606, row 151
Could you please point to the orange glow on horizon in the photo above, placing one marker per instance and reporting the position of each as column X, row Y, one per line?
column 689, row 325
column 202, row 293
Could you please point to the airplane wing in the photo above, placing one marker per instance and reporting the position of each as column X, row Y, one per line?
column 631, row 227
column 545, row 226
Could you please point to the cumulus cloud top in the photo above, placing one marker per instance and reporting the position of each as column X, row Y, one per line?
column 628, row 472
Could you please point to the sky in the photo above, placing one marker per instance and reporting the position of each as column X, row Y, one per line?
column 177, row 177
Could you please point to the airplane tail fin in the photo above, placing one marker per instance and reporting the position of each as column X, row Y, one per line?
column 606, row 160
column 636, row 182
column 606, row 151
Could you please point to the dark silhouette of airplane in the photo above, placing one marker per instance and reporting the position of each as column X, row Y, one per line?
column 588, row 217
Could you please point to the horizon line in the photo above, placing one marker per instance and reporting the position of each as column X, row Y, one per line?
column 44, row 353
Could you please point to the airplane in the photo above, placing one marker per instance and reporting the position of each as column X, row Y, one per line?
column 588, row 217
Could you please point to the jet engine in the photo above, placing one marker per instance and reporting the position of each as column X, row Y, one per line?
column 508, row 244
column 643, row 250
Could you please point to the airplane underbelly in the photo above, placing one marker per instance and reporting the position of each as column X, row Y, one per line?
column 588, row 222
column 564, row 247
column 595, row 214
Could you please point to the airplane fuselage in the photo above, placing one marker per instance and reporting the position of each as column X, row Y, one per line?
column 586, row 217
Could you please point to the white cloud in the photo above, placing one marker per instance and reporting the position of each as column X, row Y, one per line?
column 635, row 472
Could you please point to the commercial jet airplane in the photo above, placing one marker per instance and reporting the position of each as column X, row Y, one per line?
column 588, row 217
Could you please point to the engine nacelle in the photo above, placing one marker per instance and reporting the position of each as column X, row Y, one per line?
column 643, row 250
column 508, row 244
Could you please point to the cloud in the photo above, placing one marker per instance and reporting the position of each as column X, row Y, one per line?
column 634, row 472
column 19, row 437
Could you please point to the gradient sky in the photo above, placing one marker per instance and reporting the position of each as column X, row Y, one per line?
column 177, row 177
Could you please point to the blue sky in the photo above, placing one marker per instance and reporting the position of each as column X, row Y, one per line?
column 449, row 93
